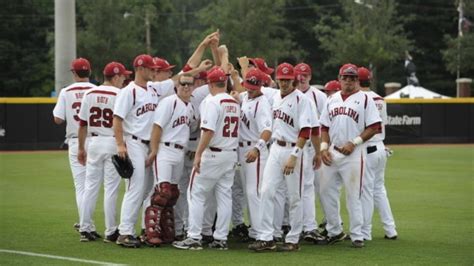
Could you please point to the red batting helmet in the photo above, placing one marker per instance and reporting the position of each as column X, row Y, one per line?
column 80, row 64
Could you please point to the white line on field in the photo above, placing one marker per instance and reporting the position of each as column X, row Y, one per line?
column 58, row 257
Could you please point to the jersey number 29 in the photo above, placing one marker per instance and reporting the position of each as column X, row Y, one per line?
column 101, row 117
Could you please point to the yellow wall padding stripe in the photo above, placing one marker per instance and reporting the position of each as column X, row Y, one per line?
column 28, row 100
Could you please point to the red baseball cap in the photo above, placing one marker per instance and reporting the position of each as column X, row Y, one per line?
column 254, row 79
column 348, row 70
column 216, row 74
column 302, row 68
column 162, row 64
column 80, row 64
column 262, row 65
column 364, row 73
column 285, row 71
column 332, row 85
column 115, row 68
column 144, row 60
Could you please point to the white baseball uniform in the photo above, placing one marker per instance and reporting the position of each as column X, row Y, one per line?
column 290, row 114
column 181, row 207
column 374, row 191
column 67, row 108
column 219, row 113
column 136, row 106
column 97, row 111
column 174, row 116
column 255, row 117
column 309, row 203
column 345, row 119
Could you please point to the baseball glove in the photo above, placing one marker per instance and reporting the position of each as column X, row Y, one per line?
column 123, row 166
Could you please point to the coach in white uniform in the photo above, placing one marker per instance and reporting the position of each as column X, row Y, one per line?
column 96, row 117
column 374, row 192
column 292, row 124
column 349, row 118
column 214, row 163
column 67, row 109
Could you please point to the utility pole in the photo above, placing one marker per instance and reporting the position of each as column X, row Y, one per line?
column 147, row 29
column 64, row 41
column 460, row 34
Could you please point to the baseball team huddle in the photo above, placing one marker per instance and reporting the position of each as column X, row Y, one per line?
column 212, row 141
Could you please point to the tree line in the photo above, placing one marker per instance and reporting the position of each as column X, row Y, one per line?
column 323, row 33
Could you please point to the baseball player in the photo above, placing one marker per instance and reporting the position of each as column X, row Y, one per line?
column 332, row 87
column 96, row 116
column 291, row 129
column 169, row 137
column 214, row 162
column 255, row 132
column 349, row 119
column 67, row 109
column 374, row 192
column 163, row 70
column 312, row 158
column 132, row 123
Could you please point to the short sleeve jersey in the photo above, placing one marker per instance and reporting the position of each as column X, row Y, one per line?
column 255, row 117
column 290, row 114
column 221, row 114
column 136, row 106
column 382, row 109
column 68, row 106
column 174, row 116
column 97, row 109
column 346, row 119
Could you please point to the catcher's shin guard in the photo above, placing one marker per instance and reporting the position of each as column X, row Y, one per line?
column 152, row 225
column 167, row 217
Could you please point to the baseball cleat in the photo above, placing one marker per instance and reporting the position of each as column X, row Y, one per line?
column 112, row 238
column 205, row 240
column 358, row 243
column 241, row 232
column 128, row 241
column 312, row 236
column 86, row 237
column 277, row 239
column 76, row 226
column 391, row 237
column 288, row 247
column 188, row 243
column 285, row 229
column 261, row 245
column 219, row 245
column 95, row 234
column 335, row 239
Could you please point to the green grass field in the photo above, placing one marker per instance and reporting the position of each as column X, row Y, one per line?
column 430, row 189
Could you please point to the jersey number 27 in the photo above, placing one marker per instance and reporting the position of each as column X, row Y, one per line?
column 231, row 127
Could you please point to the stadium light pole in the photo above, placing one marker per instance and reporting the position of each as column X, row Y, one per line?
column 64, row 41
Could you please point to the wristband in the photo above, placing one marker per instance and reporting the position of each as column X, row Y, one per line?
column 260, row 144
column 357, row 141
column 323, row 146
column 296, row 152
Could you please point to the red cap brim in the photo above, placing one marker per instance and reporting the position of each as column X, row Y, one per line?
column 250, row 86
column 285, row 77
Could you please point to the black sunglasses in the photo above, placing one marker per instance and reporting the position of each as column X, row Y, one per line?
column 186, row 83
column 349, row 78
